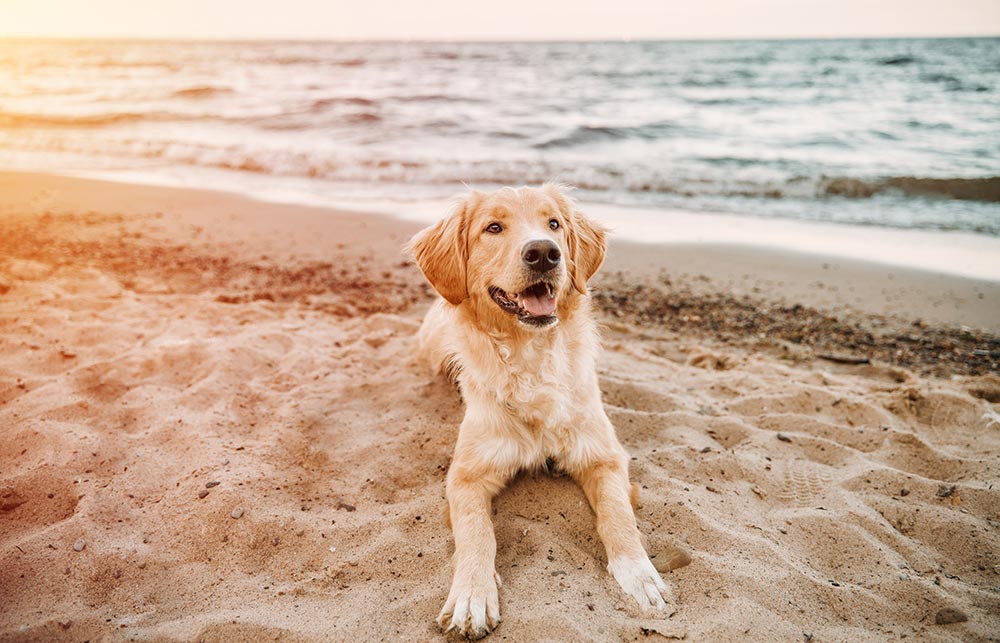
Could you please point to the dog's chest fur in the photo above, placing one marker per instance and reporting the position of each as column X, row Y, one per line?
column 536, row 387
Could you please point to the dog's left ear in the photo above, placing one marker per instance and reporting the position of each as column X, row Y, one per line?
column 441, row 252
column 587, row 240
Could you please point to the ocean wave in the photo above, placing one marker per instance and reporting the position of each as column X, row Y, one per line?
column 362, row 118
column 586, row 134
column 895, row 61
column 432, row 98
column 722, row 176
column 745, row 101
column 963, row 189
column 596, row 178
column 953, row 83
column 322, row 104
column 285, row 121
column 19, row 119
column 202, row 91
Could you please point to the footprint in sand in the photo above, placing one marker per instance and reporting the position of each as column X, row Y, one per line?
column 804, row 484
column 955, row 420
column 624, row 394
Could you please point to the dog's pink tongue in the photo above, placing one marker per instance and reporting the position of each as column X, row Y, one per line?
column 539, row 305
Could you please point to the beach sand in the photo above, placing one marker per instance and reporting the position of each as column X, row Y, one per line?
column 213, row 429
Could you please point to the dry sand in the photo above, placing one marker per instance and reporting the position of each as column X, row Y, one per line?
column 213, row 430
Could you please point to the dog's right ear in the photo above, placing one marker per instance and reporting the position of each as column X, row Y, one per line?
column 442, row 251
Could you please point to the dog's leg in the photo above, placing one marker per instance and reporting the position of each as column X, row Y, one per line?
column 606, row 485
column 473, row 605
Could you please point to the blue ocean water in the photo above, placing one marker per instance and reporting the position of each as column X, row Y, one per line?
column 902, row 132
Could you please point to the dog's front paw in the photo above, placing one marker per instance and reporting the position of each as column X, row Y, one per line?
column 641, row 581
column 473, row 605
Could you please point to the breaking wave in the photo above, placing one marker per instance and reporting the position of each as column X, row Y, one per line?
column 202, row 91
column 586, row 134
column 964, row 189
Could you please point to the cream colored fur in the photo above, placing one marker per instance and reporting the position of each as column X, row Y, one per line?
column 531, row 394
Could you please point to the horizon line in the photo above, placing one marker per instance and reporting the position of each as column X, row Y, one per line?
column 491, row 40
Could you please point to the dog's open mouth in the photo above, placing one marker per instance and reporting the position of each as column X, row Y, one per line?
column 534, row 306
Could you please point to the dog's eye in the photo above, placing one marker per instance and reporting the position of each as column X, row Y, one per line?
column 494, row 228
column 554, row 224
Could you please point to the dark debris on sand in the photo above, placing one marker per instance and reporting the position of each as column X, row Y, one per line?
column 743, row 320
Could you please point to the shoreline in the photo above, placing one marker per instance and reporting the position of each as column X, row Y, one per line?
column 950, row 252
column 829, row 283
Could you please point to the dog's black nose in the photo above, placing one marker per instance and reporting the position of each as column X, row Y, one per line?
column 541, row 255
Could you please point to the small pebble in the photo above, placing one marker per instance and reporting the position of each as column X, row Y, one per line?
column 237, row 513
column 202, row 493
column 671, row 558
column 346, row 506
column 79, row 545
column 213, row 483
column 706, row 450
column 904, row 491
column 948, row 616
column 945, row 491
column 784, row 438
column 11, row 500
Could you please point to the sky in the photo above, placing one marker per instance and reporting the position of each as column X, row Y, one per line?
column 498, row 19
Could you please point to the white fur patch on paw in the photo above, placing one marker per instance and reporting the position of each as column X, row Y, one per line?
column 640, row 580
column 473, row 605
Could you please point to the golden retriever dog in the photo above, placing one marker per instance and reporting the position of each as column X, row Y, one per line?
column 515, row 328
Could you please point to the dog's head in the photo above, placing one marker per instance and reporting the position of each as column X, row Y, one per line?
column 518, row 254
